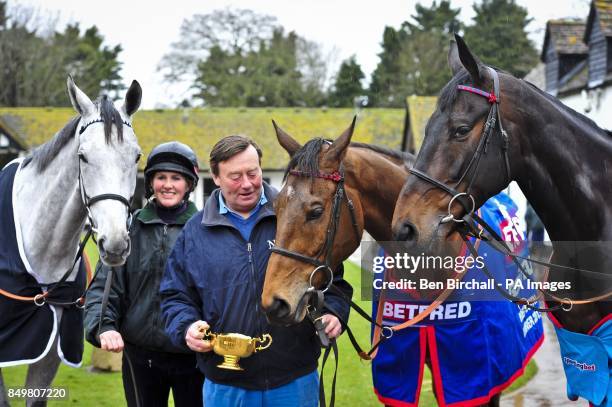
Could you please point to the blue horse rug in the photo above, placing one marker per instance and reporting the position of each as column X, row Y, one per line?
column 475, row 348
column 587, row 362
column 27, row 331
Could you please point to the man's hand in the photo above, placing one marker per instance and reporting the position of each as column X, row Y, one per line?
column 333, row 327
column 111, row 341
column 194, row 336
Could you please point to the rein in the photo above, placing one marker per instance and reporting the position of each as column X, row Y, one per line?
column 326, row 250
column 43, row 298
column 468, row 203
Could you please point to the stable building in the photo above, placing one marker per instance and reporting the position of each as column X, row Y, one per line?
column 22, row 129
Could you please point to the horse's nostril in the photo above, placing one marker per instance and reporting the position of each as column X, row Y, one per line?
column 407, row 232
column 279, row 308
column 101, row 248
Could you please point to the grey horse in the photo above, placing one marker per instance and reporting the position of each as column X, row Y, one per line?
column 95, row 155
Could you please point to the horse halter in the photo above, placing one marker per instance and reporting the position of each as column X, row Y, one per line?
column 493, row 119
column 339, row 196
column 89, row 201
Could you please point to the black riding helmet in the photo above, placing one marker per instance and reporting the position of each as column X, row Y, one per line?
column 172, row 156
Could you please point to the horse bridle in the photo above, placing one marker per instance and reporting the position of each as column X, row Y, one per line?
column 327, row 248
column 89, row 201
column 471, row 217
column 41, row 299
column 493, row 120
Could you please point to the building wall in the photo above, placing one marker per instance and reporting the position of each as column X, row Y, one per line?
column 597, row 55
column 595, row 104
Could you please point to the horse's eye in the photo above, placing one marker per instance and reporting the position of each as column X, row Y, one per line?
column 314, row 214
column 82, row 157
column 138, row 157
column 462, row 131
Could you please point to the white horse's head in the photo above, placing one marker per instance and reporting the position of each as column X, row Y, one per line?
column 108, row 155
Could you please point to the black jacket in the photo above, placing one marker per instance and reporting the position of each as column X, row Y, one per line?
column 213, row 274
column 134, row 304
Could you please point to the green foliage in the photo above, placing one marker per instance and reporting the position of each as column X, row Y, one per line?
column 413, row 60
column 35, row 60
column 240, row 58
column 348, row 84
column 499, row 37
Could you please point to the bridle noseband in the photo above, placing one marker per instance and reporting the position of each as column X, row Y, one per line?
column 493, row 121
column 89, row 201
column 326, row 250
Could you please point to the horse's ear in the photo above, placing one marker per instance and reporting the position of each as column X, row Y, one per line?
column 454, row 63
column 337, row 150
column 467, row 60
column 285, row 140
column 132, row 98
column 80, row 101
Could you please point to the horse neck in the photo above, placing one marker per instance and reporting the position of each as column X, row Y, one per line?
column 376, row 181
column 562, row 169
column 51, row 213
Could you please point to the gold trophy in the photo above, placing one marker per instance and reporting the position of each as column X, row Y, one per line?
column 235, row 346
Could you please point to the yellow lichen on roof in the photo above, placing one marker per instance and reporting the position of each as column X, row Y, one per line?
column 201, row 128
column 420, row 109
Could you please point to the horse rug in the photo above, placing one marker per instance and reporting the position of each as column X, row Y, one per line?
column 27, row 331
column 476, row 348
column 587, row 362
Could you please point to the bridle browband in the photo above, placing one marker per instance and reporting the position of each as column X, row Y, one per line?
column 471, row 219
column 99, row 120
column 43, row 298
column 326, row 249
column 87, row 200
column 493, row 121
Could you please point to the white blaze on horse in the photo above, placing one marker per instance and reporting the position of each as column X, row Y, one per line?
column 86, row 171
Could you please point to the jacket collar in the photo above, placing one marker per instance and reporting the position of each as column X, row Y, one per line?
column 212, row 217
column 148, row 214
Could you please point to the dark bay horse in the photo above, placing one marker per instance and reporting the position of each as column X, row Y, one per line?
column 558, row 157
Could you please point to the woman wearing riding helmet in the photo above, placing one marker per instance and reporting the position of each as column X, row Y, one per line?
column 131, row 320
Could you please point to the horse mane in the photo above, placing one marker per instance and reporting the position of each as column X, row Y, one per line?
column 306, row 159
column 402, row 156
column 448, row 96
column 558, row 104
column 44, row 154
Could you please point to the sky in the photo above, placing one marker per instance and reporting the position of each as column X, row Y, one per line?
column 145, row 29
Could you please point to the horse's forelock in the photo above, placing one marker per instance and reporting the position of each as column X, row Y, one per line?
column 306, row 159
column 110, row 116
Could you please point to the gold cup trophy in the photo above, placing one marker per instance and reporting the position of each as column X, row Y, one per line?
column 235, row 346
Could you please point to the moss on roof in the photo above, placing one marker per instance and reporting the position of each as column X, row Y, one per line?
column 202, row 128
column 420, row 109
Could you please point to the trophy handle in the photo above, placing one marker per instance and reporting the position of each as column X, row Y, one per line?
column 208, row 336
column 263, row 339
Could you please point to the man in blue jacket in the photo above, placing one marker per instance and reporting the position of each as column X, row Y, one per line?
column 214, row 278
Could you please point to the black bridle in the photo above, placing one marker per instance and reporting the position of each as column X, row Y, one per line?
column 89, row 201
column 471, row 220
column 327, row 248
column 493, row 121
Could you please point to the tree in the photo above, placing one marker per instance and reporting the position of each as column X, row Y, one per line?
column 413, row 60
column 498, row 36
column 348, row 84
column 35, row 59
column 235, row 57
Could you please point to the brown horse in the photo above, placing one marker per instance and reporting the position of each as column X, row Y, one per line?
column 304, row 210
column 373, row 178
column 558, row 157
